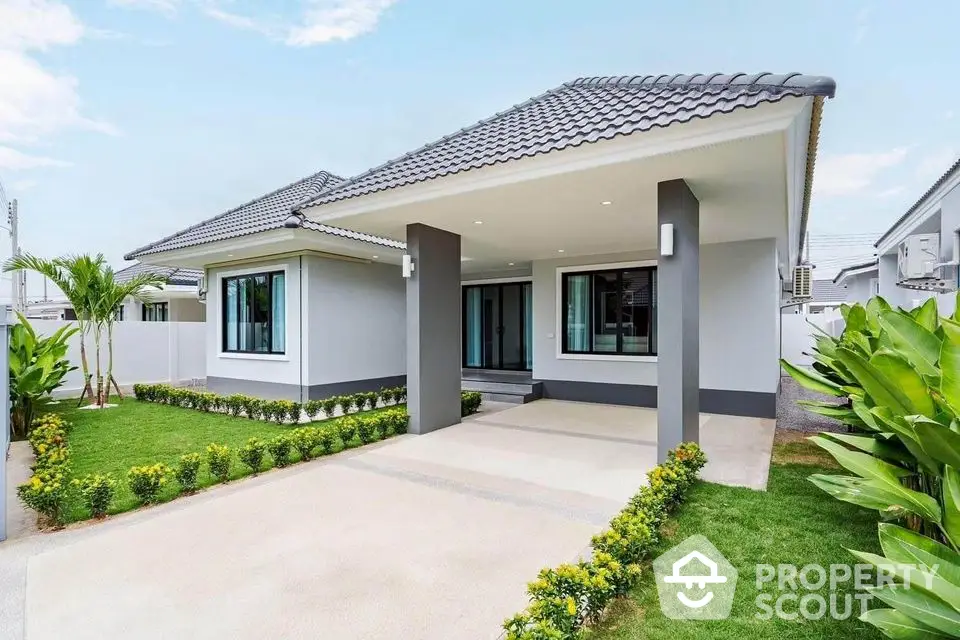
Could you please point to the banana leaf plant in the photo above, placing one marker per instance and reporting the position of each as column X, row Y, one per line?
column 899, row 372
column 37, row 367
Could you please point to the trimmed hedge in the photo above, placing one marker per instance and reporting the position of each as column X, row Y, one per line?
column 283, row 411
column 46, row 491
column 566, row 599
column 279, row 411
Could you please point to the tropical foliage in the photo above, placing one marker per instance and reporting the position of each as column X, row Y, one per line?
column 899, row 372
column 96, row 297
column 37, row 367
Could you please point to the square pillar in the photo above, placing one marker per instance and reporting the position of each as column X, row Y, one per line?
column 433, row 329
column 678, row 319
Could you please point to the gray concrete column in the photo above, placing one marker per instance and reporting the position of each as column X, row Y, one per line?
column 433, row 329
column 4, row 417
column 678, row 319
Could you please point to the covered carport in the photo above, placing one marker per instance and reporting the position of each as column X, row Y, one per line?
column 655, row 165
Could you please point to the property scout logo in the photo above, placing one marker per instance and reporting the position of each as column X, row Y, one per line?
column 695, row 582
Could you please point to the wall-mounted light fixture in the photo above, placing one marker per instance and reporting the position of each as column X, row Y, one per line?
column 408, row 265
column 666, row 239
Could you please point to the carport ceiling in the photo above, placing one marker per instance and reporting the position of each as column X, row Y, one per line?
column 741, row 187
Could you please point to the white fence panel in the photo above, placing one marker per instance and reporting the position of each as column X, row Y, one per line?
column 796, row 334
column 173, row 352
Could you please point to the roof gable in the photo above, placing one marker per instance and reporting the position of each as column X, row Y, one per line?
column 267, row 212
column 578, row 112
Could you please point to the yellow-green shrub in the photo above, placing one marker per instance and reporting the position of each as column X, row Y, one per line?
column 97, row 491
column 564, row 599
column 147, row 481
column 219, row 460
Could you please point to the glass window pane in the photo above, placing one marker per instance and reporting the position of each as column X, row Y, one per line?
column 605, row 303
column 230, row 330
column 636, row 316
column 278, row 324
column 577, row 313
column 245, row 322
column 474, row 326
column 261, row 313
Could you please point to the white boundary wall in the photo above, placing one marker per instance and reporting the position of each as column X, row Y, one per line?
column 173, row 352
column 797, row 334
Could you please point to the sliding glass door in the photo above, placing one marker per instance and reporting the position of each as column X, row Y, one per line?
column 497, row 326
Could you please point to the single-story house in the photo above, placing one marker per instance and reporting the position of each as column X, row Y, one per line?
column 918, row 256
column 860, row 281
column 177, row 301
column 827, row 296
column 621, row 239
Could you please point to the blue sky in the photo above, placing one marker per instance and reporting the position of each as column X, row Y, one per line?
column 126, row 120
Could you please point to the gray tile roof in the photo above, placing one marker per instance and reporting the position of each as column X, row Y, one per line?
column 174, row 275
column 854, row 267
column 825, row 291
column 582, row 111
column 916, row 205
column 268, row 212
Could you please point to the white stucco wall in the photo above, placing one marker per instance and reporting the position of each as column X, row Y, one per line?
column 739, row 309
column 187, row 310
column 281, row 369
column 860, row 287
column 356, row 328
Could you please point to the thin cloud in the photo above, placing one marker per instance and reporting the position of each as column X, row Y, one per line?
column 14, row 160
column 852, row 173
column 36, row 103
column 168, row 7
column 339, row 20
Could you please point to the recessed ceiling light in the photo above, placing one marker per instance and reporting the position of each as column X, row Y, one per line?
column 229, row 255
column 478, row 222
column 606, row 202
column 510, row 264
column 375, row 257
column 559, row 250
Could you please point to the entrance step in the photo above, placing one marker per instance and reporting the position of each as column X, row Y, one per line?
column 500, row 391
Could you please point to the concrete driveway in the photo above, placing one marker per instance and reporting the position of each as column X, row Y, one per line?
column 421, row 537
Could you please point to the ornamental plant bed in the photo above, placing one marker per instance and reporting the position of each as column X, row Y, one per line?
column 139, row 434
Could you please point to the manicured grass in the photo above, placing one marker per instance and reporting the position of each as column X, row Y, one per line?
column 140, row 433
column 793, row 522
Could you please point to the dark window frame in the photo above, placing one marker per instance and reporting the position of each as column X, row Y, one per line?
column 251, row 277
column 564, row 298
column 156, row 306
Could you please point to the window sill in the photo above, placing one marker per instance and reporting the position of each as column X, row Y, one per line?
column 604, row 357
column 276, row 357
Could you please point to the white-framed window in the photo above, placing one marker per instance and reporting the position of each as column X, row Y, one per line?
column 253, row 313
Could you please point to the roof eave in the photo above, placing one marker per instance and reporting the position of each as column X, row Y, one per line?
column 813, row 142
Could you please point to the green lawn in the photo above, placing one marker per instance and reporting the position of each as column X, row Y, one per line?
column 139, row 433
column 793, row 522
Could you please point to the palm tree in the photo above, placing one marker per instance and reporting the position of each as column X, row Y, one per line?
column 76, row 277
column 110, row 295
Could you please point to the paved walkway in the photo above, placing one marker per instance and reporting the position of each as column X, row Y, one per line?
column 420, row 538
column 20, row 520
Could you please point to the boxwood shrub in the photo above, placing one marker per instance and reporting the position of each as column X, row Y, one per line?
column 565, row 599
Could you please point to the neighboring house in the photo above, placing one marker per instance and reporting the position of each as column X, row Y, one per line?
column 176, row 301
column 827, row 296
column 934, row 220
column 626, row 239
column 50, row 310
column 860, row 281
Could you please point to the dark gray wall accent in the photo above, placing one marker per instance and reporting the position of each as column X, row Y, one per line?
column 279, row 391
column 753, row 404
column 678, row 319
column 433, row 329
column 321, row 391
column 255, row 388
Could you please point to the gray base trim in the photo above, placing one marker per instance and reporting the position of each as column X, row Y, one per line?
column 321, row 391
column 279, row 391
column 753, row 404
column 255, row 388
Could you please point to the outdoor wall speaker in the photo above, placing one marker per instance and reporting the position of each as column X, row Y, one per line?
column 408, row 265
column 666, row 239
